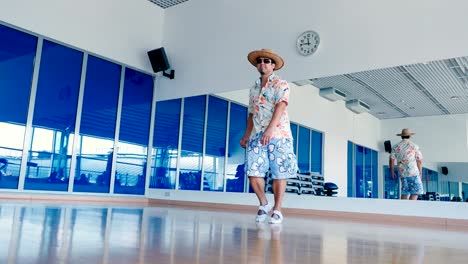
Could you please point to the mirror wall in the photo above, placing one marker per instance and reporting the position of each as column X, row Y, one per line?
column 431, row 99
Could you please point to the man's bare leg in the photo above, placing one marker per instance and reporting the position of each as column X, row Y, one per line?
column 404, row 197
column 414, row 197
column 279, row 188
column 258, row 185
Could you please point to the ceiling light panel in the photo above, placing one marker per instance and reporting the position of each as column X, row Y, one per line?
column 400, row 90
column 442, row 82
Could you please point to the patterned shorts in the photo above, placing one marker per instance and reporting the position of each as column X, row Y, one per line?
column 411, row 185
column 278, row 156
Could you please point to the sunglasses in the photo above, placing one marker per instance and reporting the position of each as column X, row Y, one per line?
column 266, row 61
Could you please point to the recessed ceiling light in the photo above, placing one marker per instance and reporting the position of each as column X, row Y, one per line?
column 411, row 107
column 380, row 113
column 454, row 97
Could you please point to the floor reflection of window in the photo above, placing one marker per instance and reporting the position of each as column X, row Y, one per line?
column 125, row 223
column 88, row 231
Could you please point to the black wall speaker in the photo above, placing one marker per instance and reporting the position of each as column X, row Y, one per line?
column 444, row 170
column 388, row 146
column 158, row 60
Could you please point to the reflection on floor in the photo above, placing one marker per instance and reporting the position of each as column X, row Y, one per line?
column 50, row 233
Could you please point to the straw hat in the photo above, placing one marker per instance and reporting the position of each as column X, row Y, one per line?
column 266, row 53
column 405, row 132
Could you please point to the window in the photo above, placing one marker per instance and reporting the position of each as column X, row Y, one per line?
column 215, row 150
column 362, row 172
column 317, row 156
column 235, row 171
column 17, row 58
column 130, row 173
column 97, row 129
column 165, row 144
column 303, row 157
column 191, row 156
column 54, row 118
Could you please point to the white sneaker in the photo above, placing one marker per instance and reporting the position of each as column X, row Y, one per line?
column 274, row 220
column 266, row 210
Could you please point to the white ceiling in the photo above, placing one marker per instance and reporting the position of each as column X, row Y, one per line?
column 167, row 3
column 423, row 89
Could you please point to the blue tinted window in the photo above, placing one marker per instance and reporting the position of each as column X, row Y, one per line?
column 58, row 86
column 17, row 53
column 235, row 171
column 454, row 190
column 375, row 177
column 367, row 173
column 166, row 143
column 215, row 151
column 317, row 145
column 350, row 168
column 192, row 143
column 54, row 118
column 303, row 156
column 359, row 171
column 294, row 134
column 97, row 128
column 432, row 181
column 392, row 187
column 131, row 164
column 100, row 98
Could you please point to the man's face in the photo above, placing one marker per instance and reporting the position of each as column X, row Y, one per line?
column 265, row 66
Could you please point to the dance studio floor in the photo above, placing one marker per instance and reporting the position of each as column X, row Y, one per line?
column 94, row 233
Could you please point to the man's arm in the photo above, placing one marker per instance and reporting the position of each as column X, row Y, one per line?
column 275, row 120
column 419, row 163
column 391, row 165
column 248, row 130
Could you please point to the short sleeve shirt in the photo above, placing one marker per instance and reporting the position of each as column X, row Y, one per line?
column 406, row 153
column 262, row 102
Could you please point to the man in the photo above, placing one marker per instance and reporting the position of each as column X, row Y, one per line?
column 408, row 158
column 268, row 135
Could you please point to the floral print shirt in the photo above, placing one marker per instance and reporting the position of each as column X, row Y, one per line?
column 262, row 102
column 406, row 153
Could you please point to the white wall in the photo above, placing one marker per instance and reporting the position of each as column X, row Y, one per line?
column 338, row 123
column 208, row 40
column 121, row 30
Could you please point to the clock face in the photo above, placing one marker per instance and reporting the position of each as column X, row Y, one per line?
column 308, row 42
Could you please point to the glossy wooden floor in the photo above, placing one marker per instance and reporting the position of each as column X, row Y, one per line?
column 53, row 233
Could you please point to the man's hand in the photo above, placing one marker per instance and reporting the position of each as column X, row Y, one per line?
column 266, row 137
column 243, row 142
